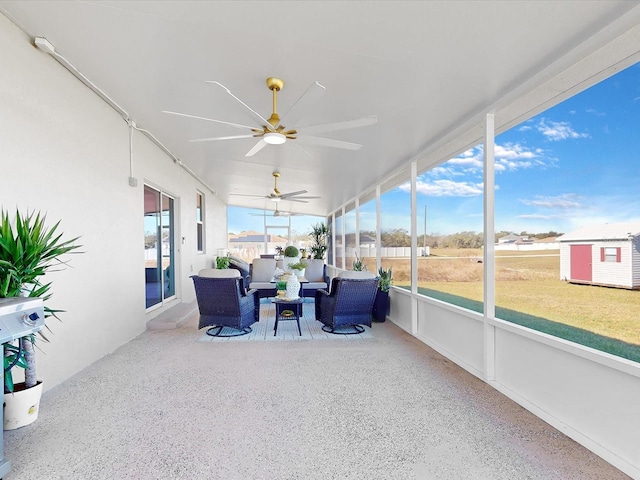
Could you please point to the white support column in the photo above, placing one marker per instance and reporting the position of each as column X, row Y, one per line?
column 333, row 239
column 414, row 249
column 344, row 245
column 489, row 247
column 357, row 236
column 378, row 230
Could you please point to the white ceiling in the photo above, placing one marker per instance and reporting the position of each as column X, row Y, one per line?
column 425, row 69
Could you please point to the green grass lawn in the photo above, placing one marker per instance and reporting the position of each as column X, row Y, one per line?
column 530, row 293
column 564, row 330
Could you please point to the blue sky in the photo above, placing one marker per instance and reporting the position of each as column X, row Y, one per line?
column 575, row 164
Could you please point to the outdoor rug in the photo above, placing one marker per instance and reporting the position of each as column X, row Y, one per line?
column 262, row 331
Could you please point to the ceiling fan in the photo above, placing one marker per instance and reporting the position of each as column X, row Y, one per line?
column 273, row 132
column 275, row 195
column 276, row 213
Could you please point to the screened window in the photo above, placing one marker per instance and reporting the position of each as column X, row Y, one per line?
column 200, row 222
column 550, row 181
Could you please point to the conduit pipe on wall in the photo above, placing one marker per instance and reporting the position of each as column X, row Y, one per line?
column 45, row 46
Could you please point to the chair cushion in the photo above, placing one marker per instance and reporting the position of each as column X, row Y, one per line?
column 355, row 274
column 219, row 273
column 262, row 285
column 262, row 270
column 239, row 264
column 315, row 286
column 314, row 272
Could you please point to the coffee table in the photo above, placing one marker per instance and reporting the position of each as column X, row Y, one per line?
column 288, row 310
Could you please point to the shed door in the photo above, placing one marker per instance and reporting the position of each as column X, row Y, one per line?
column 581, row 262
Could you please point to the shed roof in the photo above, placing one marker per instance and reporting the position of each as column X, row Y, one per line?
column 607, row 231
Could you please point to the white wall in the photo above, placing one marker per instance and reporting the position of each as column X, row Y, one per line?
column 66, row 152
column 589, row 395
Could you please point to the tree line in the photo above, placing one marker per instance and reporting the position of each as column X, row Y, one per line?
column 400, row 237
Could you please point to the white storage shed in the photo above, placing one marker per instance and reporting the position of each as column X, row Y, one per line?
column 607, row 255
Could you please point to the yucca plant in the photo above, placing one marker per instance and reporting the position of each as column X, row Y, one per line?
column 385, row 280
column 27, row 252
column 358, row 265
column 319, row 236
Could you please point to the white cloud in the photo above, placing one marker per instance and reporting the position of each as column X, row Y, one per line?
column 558, row 130
column 595, row 112
column 564, row 201
column 446, row 188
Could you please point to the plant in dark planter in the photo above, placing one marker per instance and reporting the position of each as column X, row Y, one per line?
column 381, row 304
column 28, row 251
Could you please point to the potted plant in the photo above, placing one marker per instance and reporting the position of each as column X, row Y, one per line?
column 358, row 265
column 290, row 256
column 223, row 262
column 281, row 287
column 381, row 304
column 27, row 252
column 298, row 268
column 319, row 238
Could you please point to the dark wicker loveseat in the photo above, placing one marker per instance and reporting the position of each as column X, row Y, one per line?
column 348, row 305
column 224, row 302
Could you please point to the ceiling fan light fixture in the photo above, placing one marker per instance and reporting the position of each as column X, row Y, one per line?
column 274, row 138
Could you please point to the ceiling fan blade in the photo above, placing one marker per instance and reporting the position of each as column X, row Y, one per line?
column 213, row 139
column 259, row 119
column 332, row 127
column 328, row 142
column 247, row 195
column 292, row 194
column 297, row 145
column 309, row 98
column 256, row 148
column 294, row 199
column 237, row 125
column 302, row 198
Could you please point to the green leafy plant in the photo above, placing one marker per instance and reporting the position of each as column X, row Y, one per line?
column 281, row 285
column 385, row 279
column 319, row 237
column 223, row 262
column 298, row 266
column 291, row 251
column 358, row 265
column 27, row 252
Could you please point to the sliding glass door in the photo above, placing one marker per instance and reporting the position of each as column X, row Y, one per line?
column 158, row 246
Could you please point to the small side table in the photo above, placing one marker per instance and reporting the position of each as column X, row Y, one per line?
column 294, row 306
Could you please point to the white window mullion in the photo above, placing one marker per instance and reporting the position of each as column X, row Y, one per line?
column 489, row 247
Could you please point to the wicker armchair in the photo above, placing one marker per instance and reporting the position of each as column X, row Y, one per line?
column 348, row 305
column 223, row 302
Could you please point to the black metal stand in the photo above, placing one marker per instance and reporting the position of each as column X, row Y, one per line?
column 217, row 331
column 357, row 329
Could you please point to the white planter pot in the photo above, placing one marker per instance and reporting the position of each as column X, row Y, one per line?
column 300, row 273
column 288, row 260
column 21, row 407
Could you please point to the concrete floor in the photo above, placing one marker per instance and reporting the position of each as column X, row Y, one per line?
column 169, row 406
